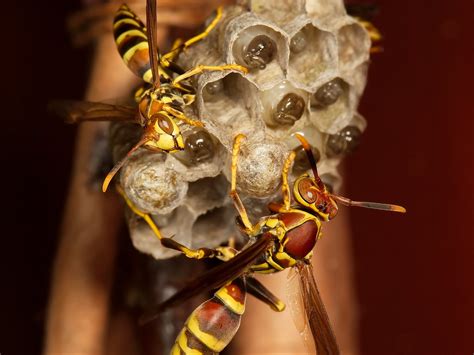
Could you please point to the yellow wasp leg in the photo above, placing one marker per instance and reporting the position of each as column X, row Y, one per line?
column 142, row 214
column 181, row 116
column 258, row 290
column 222, row 253
column 201, row 68
column 178, row 47
column 239, row 206
column 175, row 50
column 285, row 187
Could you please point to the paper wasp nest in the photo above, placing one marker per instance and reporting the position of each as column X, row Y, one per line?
column 308, row 65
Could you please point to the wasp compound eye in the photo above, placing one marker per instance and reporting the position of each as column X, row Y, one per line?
column 345, row 141
column 301, row 163
column 329, row 93
column 289, row 109
column 260, row 51
column 199, row 146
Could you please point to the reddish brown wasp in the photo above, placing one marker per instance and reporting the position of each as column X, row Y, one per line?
column 160, row 101
column 281, row 240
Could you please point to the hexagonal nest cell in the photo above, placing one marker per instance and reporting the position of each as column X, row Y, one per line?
column 313, row 54
column 353, row 44
column 308, row 69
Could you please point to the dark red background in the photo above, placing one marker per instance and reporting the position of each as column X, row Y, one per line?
column 414, row 272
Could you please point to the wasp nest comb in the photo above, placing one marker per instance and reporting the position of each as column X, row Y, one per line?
column 308, row 66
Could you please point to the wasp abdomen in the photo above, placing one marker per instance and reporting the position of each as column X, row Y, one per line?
column 211, row 327
column 132, row 43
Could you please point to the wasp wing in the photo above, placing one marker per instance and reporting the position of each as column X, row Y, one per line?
column 309, row 313
column 216, row 277
column 80, row 111
column 151, row 29
column 295, row 303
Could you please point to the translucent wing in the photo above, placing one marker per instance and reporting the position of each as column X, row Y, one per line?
column 296, row 306
column 309, row 313
column 216, row 277
column 81, row 111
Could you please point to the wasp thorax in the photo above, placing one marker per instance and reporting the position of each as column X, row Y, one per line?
column 289, row 109
column 301, row 163
column 199, row 146
column 298, row 42
column 345, row 141
column 329, row 93
column 259, row 52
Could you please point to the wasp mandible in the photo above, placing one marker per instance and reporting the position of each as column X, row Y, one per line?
column 161, row 99
column 284, row 239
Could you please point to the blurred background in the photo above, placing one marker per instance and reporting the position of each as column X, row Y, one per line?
column 414, row 279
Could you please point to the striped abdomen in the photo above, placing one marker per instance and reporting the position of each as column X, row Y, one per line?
column 211, row 327
column 132, row 43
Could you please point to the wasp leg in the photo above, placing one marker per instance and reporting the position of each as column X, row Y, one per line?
column 181, row 116
column 179, row 47
column 222, row 253
column 142, row 214
column 239, row 206
column 285, row 187
column 256, row 289
column 174, row 52
column 201, row 68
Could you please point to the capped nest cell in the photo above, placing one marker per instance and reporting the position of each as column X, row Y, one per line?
column 307, row 65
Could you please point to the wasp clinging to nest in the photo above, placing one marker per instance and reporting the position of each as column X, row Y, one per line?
column 283, row 239
column 161, row 99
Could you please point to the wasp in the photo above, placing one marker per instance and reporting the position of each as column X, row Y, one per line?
column 161, row 100
column 284, row 239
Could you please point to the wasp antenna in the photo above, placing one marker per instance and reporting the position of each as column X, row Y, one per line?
column 122, row 161
column 312, row 161
column 372, row 205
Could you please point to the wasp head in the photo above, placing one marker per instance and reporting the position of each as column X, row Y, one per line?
column 311, row 192
column 314, row 197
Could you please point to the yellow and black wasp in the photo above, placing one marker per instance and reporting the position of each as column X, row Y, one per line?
column 161, row 99
column 284, row 239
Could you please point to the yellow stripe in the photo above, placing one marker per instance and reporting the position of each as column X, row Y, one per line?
column 129, row 54
column 274, row 264
column 130, row 33
column 123, row 11
column 130, row 21
column 175, row 350
column 183, row 344
column 148, row 76
column 209, row 340
column 234, row 305
column 272, row 222
column 285, row 256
